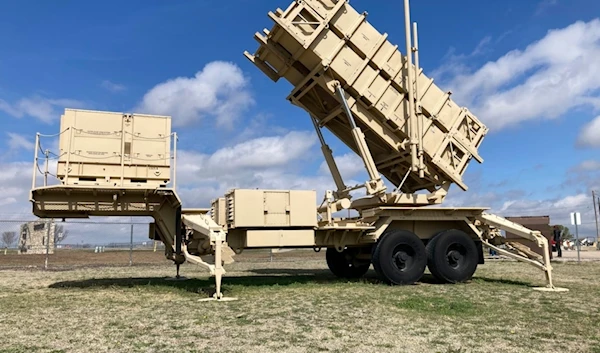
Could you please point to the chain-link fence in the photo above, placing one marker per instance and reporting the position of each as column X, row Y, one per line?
column 57, row 244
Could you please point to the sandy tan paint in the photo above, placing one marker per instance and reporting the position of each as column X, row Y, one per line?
column 124, row 149
column 349, row 79
column 319, row 46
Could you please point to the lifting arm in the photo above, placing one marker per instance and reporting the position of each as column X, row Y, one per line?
column 375, row 185
column 342, row 191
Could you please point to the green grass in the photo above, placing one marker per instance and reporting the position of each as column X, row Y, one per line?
column 297, row 307
column 439, row 306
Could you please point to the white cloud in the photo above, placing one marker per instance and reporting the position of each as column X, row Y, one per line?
column 588, row 165
column 234, row 162
column 219, row 90
column 559, row 211
column 262, row 162
column 511, row 204
column 15, row 182
column 17, row 141
column 573, row 201
column 43, row 109
column 582, row 178
column 14, row 173
column 457, row 63
column 590, row 134
column 7, row 200
column 349, row 165
column 272, row 162
column 255, row 127
column 113, row 87
column 264, row 152
column 544, row 5
column 570, row 202
column 545, row 80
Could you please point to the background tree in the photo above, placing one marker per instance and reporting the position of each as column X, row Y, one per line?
column 567, row 235
column 8, row 238
column 60, row 234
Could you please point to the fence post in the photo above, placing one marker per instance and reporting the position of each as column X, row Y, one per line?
column 48, row 225
column 131, row 246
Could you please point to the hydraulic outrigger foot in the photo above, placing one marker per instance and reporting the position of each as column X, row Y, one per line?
column 177, row 276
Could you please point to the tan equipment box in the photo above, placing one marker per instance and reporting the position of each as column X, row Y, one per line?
column 114, row 149
column 315, row 43
column 255, row 208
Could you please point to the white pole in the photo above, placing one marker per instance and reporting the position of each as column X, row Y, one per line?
column 46, row 152
column 35, row 159
column 123, row 150
column 411, row 103
column 47, row 244
column 419, row 113
column 131, row 246
column 175, row 161
column 577, row 241
column 66, row 180
column 596, row 217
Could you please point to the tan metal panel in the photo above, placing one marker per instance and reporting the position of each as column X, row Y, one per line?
column 218, row 211
column 279, row 238
column 302, row 208
column 103, row 148
column 315, row 43
column 277, row 208
column 247, row 208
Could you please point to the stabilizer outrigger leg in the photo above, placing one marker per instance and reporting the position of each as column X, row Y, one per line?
column 217, row 237
column 521, row 252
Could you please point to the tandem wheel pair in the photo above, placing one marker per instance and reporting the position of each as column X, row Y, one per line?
column 400, row 257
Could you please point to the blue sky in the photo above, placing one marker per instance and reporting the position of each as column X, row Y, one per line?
column 538, row 91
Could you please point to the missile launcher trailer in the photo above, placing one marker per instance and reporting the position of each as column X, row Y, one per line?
column 340, row 65
column 351, row 80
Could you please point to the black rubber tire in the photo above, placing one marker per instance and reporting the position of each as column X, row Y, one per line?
column 342, row 265
column 399, row 257
column 452, row 256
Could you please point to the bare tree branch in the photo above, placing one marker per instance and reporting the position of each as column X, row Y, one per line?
column 8, row 238
column 60, row 234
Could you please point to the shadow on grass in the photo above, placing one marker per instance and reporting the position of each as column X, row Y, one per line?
column 207, row 285
column 263, row 278
column 370, row 277
column 503, row 281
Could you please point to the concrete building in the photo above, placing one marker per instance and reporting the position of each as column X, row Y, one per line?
column 34, row 237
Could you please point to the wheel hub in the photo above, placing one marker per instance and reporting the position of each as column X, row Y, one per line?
column 402, row 260
column 455, row 258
